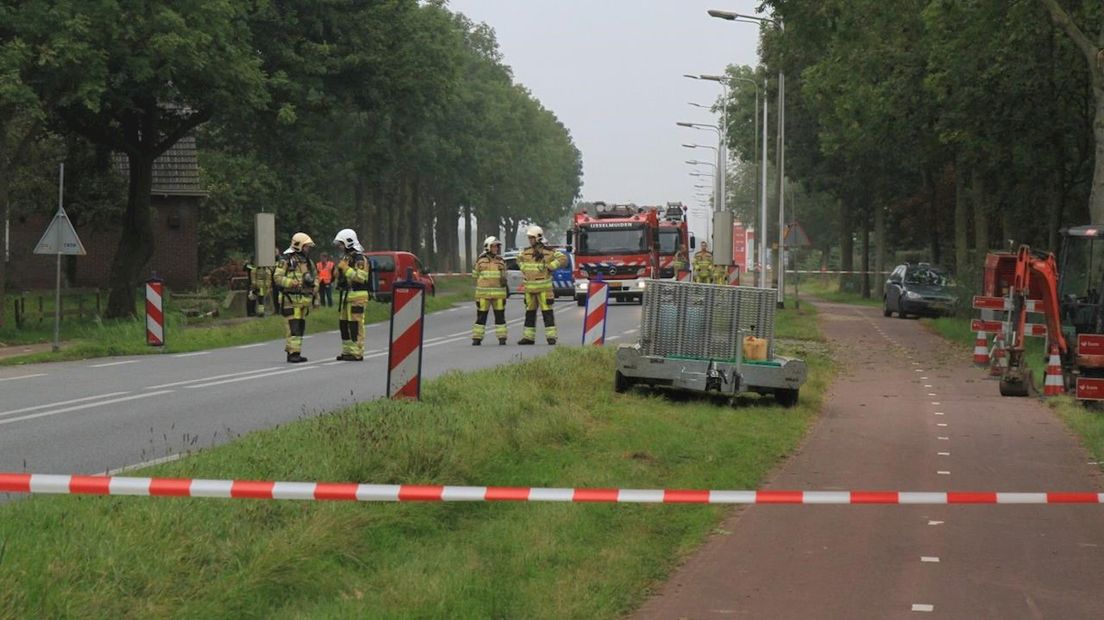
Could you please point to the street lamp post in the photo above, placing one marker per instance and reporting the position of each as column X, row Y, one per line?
column 754, row 19
column 762, row 272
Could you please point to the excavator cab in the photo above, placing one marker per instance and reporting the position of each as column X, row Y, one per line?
column 1081, row 280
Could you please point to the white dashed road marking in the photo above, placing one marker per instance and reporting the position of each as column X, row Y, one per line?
column 61, row 403
column 101, row 403
column 113, row 364
column 40, row 374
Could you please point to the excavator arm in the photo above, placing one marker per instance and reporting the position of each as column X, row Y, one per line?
column 1036, row 274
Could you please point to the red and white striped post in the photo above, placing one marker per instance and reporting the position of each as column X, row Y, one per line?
column 155, row 312
column 734, row 275
column 683, row 276
column 404, row 356
column 594, row 318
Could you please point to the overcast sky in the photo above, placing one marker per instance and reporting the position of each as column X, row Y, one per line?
column 611, row 70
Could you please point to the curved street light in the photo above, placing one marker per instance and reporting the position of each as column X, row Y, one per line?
column 755, row 19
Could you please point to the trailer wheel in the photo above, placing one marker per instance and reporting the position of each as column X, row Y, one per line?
column 786, row 398
column 621, row 383
column 580, row 300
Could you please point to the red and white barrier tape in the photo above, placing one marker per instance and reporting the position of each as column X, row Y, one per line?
column 328, row 491
column 837, row 273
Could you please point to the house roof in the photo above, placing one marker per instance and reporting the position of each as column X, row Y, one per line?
column 175, row 172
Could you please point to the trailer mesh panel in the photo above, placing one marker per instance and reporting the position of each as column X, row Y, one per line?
column 704, row 321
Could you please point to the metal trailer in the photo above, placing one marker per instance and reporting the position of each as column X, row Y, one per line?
column 691, row 338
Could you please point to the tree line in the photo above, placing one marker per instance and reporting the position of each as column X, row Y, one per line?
column 395, row 117
column 938, row 129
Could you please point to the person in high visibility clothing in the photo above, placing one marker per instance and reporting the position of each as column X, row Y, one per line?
column 259, row 279
column 489, row 273
column 353, row 276
column 537, row 262
column 682, row 261
column 298, row 285
column 703, row 265
column 325, row 269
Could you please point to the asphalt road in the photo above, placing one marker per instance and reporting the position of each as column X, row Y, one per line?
column 909, row 413
column 111, row 414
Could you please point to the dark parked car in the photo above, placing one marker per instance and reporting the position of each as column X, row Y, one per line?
column 921, row 290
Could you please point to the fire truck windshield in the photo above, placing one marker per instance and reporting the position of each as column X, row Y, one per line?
column 598, row 239
column 668, row 241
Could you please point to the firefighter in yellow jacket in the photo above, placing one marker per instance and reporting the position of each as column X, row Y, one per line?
column 703, row 265
column 259, row 279
column 489, row 273
column 295, row 277
column 681, row 262
column 537, row 262
column 353, row 276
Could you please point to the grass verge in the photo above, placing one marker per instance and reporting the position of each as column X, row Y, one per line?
column 554, row 421
column 129, row 337
column 828, row 289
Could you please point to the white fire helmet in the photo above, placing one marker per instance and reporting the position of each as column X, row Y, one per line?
column 535, row 231
column 490, row 242
column 299, row 243
column 347, row 238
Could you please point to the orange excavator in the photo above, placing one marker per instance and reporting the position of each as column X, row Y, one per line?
column 1072, row 300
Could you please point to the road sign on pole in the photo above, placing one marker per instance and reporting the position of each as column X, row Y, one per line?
column 60, row 238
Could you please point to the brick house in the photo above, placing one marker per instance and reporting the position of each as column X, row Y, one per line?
column 176, row 198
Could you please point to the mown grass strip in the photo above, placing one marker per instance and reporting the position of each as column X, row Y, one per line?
column 550, row 422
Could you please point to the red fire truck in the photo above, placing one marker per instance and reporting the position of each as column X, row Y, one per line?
column 673, row 232
column 620, row 244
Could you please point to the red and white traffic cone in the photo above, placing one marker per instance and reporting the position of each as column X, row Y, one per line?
column 998, row 359
column 1054, row 385
column 981, row 349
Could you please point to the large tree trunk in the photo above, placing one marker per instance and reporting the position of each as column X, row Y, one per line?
column 865, row 256
column 981, row 218
column 413, row 225
column 3, row 243
column 469, row 258
column 1094, row 57
column 360, row 211
column 847, row 245
column 879, row 249
column 4, row 211
column 961, row 223
column 135, row 243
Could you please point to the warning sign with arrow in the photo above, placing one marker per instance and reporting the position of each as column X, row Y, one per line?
column 60, row 237
column 796, row 237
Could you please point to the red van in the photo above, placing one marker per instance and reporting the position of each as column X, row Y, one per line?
column 390, row 266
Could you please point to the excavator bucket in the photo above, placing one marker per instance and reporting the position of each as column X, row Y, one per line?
column 1018, row 382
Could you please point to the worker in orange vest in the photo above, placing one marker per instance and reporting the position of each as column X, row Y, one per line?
column 325, row 269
